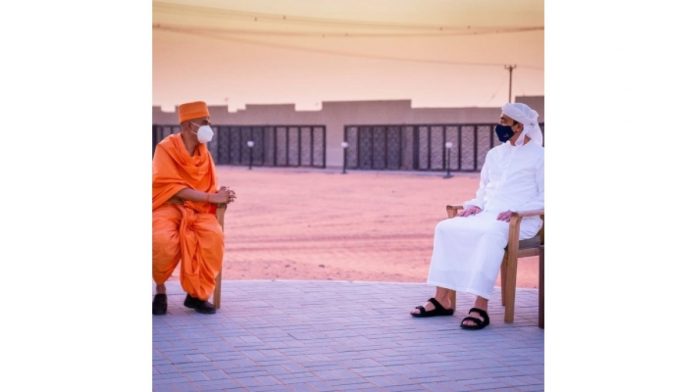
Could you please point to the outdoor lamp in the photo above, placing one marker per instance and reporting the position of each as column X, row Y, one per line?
column 344, row 145
column 448, row 145
column 250, row 144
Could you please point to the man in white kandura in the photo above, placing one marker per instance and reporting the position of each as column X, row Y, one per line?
column 468, row 249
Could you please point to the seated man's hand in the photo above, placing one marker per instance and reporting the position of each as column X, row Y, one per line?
column 505, row 216
column 470, row 210
column 224, row 195
column 233, row 195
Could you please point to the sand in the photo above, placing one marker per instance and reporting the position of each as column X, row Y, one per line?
column 321, row 224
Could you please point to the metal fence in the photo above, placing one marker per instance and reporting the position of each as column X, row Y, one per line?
column 419, row 146
column 274, row 145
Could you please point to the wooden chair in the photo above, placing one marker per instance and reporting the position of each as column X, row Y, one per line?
column 220, row 215
column 508, row 269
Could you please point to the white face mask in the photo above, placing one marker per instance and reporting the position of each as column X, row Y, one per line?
column 205, row 134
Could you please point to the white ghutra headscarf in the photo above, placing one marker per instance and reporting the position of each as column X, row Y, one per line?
column 528, row 117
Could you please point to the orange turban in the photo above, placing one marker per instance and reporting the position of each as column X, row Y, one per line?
column 191, row 110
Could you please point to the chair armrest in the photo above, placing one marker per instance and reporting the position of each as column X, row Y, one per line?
column 529, row 213
column 452, row 210
column 516, row 220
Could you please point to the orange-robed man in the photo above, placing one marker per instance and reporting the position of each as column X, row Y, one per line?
column 184, row 199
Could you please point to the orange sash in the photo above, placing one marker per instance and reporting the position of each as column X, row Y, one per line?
column 174, row 169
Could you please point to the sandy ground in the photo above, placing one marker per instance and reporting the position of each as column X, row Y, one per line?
column 321, row 224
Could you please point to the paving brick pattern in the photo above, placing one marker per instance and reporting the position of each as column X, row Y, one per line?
column 280, row 335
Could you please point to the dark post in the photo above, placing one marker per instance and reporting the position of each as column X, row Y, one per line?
column 510, row 68
column 154, row 139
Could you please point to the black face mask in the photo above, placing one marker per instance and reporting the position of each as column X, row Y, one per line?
column 504, row 132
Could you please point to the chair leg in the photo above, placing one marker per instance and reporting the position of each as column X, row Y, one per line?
column 503, row 268
column 220, row 215
column 541, row 286
column 510, row 283
column 218, row 289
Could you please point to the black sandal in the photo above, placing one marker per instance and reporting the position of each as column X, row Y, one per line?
column 438, row 311
column 159, row 304
column 479, row 324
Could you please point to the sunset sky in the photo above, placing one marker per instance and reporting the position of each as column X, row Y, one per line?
column 437, row 53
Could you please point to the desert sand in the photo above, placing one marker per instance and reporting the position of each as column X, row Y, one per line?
column 321, row 224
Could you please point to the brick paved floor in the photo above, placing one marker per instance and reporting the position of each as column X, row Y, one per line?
column 342, row 336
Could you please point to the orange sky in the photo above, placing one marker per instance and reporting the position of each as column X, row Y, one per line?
column 436, row 53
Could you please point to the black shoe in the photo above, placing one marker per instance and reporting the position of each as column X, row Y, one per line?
column 199, row 305
column 159, row 304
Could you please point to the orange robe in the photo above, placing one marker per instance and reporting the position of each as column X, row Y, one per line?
column 188, row 232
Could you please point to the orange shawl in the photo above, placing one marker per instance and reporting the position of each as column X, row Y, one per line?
column 173, row 169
